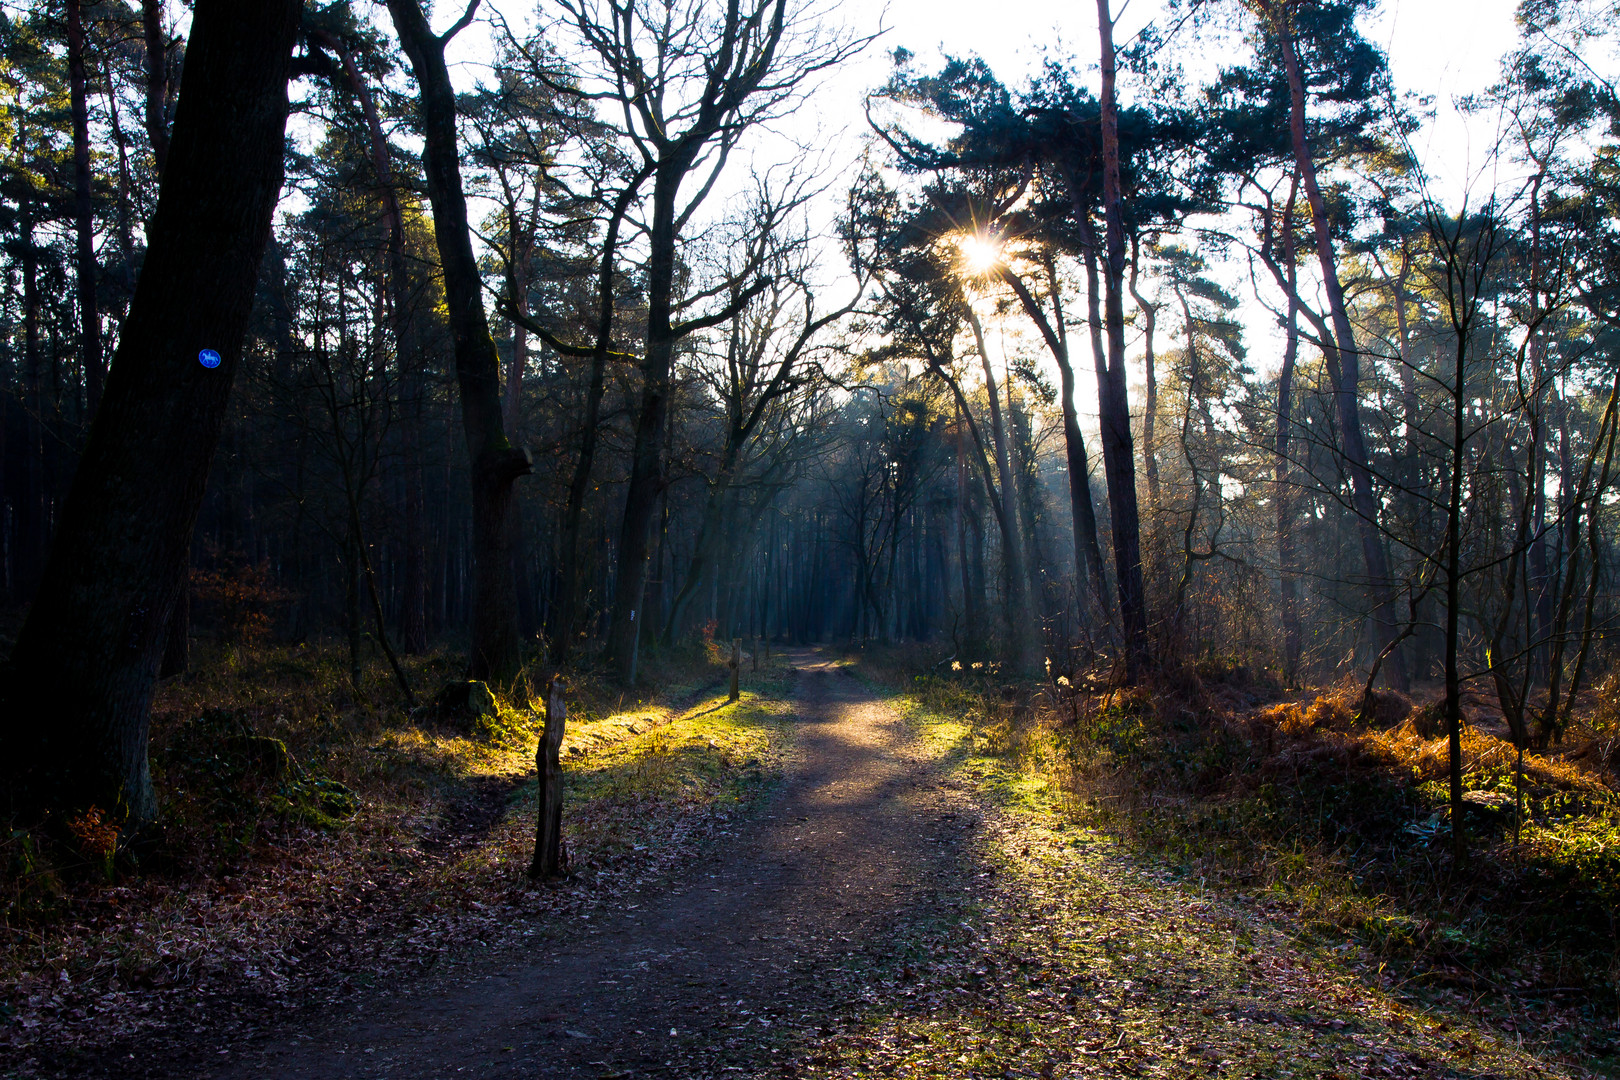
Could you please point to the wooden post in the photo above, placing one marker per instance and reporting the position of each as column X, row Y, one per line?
column 736, row 666
column 767, row 640
column 548, row 857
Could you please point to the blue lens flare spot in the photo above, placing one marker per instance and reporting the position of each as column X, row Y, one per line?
column 208, row 358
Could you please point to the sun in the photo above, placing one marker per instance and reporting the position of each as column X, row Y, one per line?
column 980, row 254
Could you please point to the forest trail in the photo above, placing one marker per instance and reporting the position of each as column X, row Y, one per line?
column 882, row 916
column 849, row 845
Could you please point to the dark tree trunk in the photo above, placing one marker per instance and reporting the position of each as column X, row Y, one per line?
column 73, row 732
column 548, row 848
column 123, row 227
column 35, row 526
column 1287, row 560
column 413, row 602
column 1119, row 460
column 83, row 220
column 970, row 606
column 565, row 623
column 177, row 641
column 157, row 81
column 1088, row 562
column 496, row 654
column 351, row 612
column 1453, row 698
column 1150, row 385
column 646, row 458
column 1345, row 360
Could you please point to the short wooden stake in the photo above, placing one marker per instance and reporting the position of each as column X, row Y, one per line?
column 548, row 857
column 736, row 667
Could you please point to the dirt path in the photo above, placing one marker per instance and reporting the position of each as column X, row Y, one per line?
column 886, row 916
column 689, row 981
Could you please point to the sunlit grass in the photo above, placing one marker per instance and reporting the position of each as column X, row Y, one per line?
column 647, row 783
column 1078, row 958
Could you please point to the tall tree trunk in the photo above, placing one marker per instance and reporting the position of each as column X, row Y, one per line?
column 1119, row 460
column 1025, row 472
column 177, row 641
column 157, row 81
column 83, row 219
column 496, row 654
column 1287, row 560
column 124, row 230
column 1539, row 598
column 413, row 601
column 1453, row 696
column 1344, row 360
column 351, row 611
column 566, row 621
column 35, row 526
column 1150, row 386
column 1019, row 615
column 970, row 606
column 646, row 457
column 519, row 289
column 1412, row 471
column 1088, row 564
column 73, row 730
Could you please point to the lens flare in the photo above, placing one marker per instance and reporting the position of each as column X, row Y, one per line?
column 980, row 254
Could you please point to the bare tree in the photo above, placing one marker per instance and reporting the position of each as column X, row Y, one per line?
column 687, row 80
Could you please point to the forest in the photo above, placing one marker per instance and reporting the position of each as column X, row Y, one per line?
column 789, row 524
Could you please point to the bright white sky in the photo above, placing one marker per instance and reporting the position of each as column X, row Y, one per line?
column 1440, row 48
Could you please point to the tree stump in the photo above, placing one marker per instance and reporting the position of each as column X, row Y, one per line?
column 736, row 667
column 548, row 858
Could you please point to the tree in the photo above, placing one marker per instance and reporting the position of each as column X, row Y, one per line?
column 688, row 86
column 1334, row 31
column 80, row 678
column 1119, row 456
column 919, row 255
column 496, row 652
column 765, row 356
column 83, row 218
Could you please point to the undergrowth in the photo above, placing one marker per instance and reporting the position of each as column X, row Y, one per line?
column 1337, row 818
column 313, row 838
